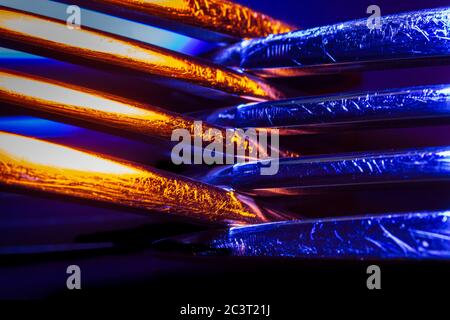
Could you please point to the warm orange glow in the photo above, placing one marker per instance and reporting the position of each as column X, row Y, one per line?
column 53, row 35
column 96, row 107
column 217, row 15
column 37, row 153
column 48, row 167
column 75, row 102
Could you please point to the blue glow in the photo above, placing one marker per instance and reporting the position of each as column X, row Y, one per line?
column 297, row 175
column 123, row 27
column 313, row 113
column 6, row 53
column 412, row 35
column 398, row 236
column 36, row 127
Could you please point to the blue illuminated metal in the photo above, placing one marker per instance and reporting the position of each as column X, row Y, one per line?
column 311, row 114
column 401, row 236
column 297, row 174
column 349, row 45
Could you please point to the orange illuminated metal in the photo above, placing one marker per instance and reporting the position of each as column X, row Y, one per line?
column 97, row 107
column 52, row 168
column 85, row 104
column 49, row 34
column 217, row 15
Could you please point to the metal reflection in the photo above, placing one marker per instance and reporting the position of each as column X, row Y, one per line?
column 401, row 236
column 108, row 22
column 93, row 106
column 38, row 165
column 401, row 39
column 103, row 109
column 297, row 175
column 313, row 114
column 216, row 15
column 48, row 34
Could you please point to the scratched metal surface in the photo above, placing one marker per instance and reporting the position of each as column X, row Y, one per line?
column 407, row 236
column 387, row 105
column 420, row 34
column 426, row 164
column 34, row 224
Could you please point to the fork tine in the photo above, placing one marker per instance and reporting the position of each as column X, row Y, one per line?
column 102, row 109
column 402, row 39
column 219, row 16
column 37, row 165
column 315, row 114
column 49, row 36
column 97, row 107
column 297, row 175
column 424, row 235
